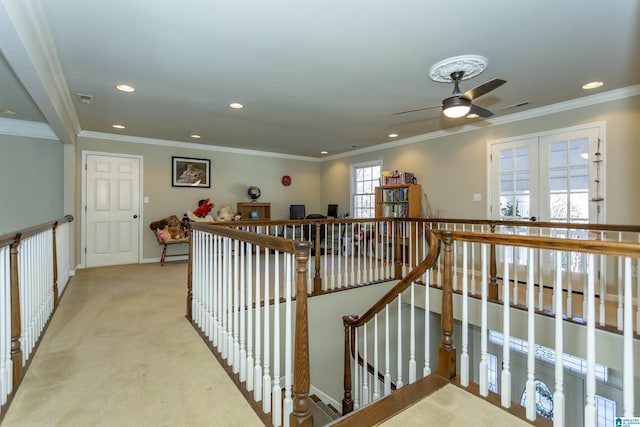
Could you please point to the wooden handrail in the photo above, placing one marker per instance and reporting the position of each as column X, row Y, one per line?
column 551, row 243
column 536, row 224
column 8, row 238
column 351, row 322
column 404, row 283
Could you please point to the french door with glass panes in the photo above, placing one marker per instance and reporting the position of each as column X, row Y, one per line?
column 557, row 177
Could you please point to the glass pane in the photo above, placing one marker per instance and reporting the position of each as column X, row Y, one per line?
column 558, row 179
column 579, row 178
column 558, row 206
column 359, row 187
column 367, row 174
column 558, row 154
column 506, row 206
column 359, row 174
column 523, row 207
column 522, row 158
column 506, row 160
column 506, row 183
column 579, row 151
column 522, row 182
column 579, row 203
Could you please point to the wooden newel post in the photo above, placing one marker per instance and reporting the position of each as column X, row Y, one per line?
column 447, row 352
column 493, row 271
column 189, row 314
column 16, row 326
column 56, row 296
column 317, row 280
column 347, row 400
column 301, row 415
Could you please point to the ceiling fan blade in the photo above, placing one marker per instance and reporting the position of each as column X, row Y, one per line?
column 483, row 88
column 482, row 112
column 417, row 109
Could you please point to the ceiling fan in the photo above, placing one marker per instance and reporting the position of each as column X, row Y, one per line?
column 460, row 104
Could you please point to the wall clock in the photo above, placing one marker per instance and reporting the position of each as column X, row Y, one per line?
column 286, row 180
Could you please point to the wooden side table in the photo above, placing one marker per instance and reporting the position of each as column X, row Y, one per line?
column 255, row 210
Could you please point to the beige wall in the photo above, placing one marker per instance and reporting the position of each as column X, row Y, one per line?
column 452, row 168
column 31, row 182
column 231, row 175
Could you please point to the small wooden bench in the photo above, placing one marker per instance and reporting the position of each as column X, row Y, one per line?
column 171, row 221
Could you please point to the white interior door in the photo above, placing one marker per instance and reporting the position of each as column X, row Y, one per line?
column 112, row 210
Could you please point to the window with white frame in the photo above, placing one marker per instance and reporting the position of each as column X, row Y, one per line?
column 365, row 178
column 553, row 176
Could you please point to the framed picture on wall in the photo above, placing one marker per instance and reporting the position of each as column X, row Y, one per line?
column 189, row 172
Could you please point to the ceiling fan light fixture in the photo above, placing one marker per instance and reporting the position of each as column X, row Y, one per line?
column 455, row 107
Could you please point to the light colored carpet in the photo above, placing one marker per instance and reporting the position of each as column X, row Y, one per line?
column 119, row 352
column 452, row 406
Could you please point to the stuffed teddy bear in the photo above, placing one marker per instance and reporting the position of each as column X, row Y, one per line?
column 203, row 209
column 225, row 213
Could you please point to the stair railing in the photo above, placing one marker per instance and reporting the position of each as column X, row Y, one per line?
column 34, row 271
column 567, row 255
column 364, row 393
column 240, row 308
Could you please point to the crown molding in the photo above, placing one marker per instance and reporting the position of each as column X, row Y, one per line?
column 15, row 127
column 586, row 101
column 190, row 145
column 33, row 53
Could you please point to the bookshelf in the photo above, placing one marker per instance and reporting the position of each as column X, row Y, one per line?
column 399, row 201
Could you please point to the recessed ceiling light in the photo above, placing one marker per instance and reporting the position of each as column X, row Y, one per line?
column 393, row 135
column 236, row 105
column 592, row 85
column 195, row 136
column 118, row 126
column 126, row 88
column 324, row 152
column 472, row 116
column 8, row 112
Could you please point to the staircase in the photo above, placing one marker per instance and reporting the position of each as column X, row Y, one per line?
column 323, row 414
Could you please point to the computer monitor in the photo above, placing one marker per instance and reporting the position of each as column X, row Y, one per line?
column 296, row 212
column 332, row 211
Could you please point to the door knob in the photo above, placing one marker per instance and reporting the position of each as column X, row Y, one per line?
column 135, row 216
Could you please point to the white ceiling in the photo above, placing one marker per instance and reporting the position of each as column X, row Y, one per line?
column 323, row 75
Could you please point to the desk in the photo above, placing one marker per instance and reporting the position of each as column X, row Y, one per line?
column 255, row 210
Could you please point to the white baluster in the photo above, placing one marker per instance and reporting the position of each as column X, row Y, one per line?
column 464, row 357
column 628, row 362
column 243, row 313
column 399, row 382
column 473, row 265
column 387, row 371
column 266, row 355
column 250, row 310
column 236, row 306
column 590, row 382
column 620, row 285
column 483, row 368
column 257, row 371
column 365, row 370
column 230, row 295
column 455, row 262
column 412, row 338
column 276, row 394
column 569, row 273
column 287, row 408
column 376, row 381
column 426, row 371
column 531, row 337
column 558, row 395
column 603, row 283
column 356, row 372
column 506, row 368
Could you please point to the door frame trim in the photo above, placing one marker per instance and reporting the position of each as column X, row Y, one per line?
column 83, row 221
